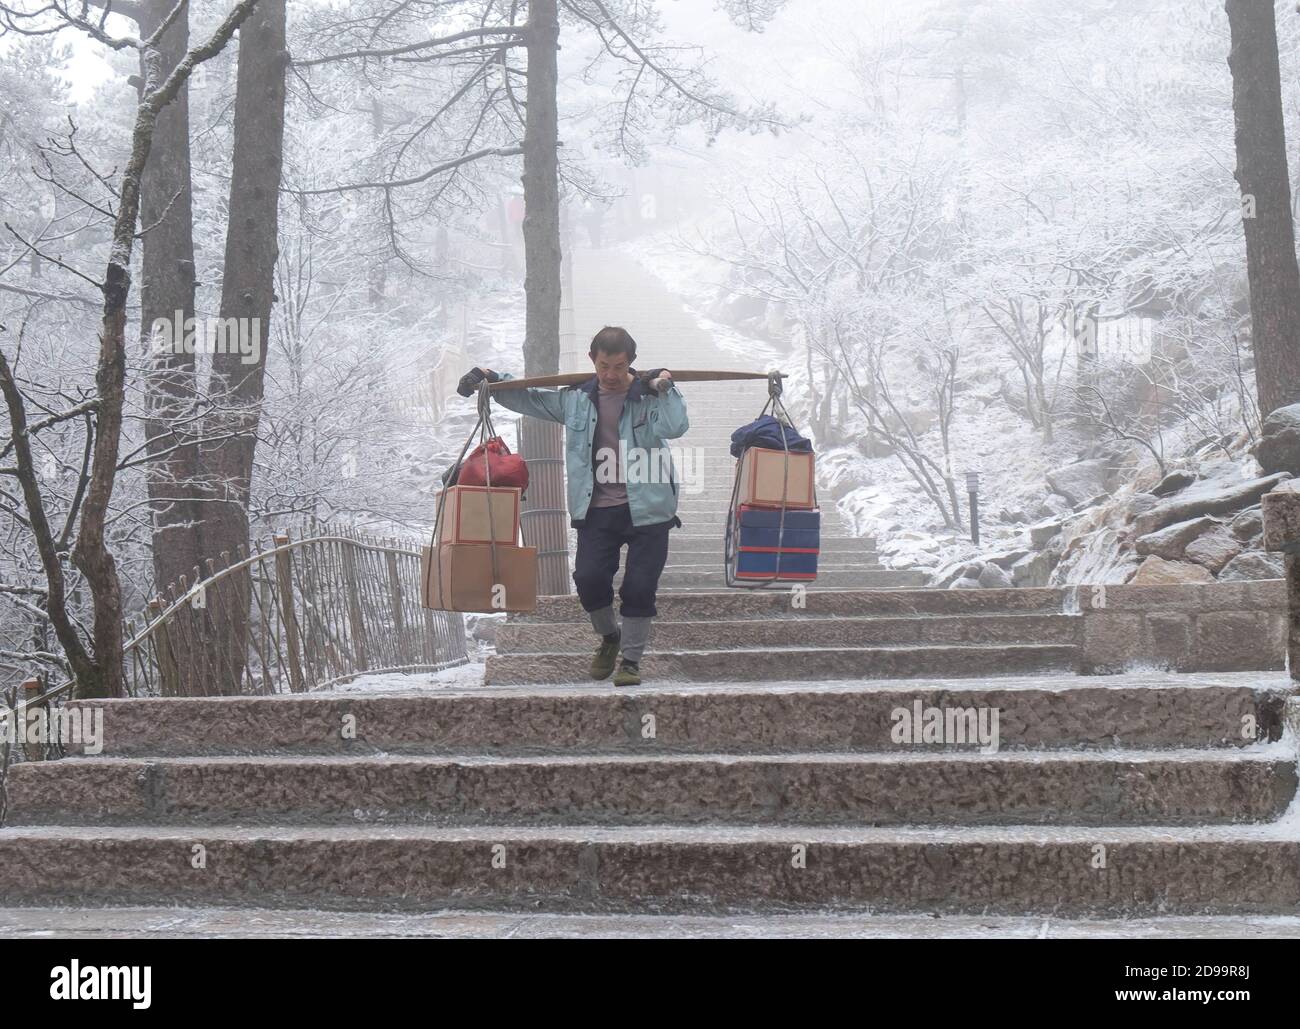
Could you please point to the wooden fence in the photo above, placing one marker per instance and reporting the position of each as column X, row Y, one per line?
column 297, row 616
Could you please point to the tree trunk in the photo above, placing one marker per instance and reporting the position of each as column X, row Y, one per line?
column 166, row 298
column 1262, row 175
column 542, row 445
column 542, row 195
column 247, row 293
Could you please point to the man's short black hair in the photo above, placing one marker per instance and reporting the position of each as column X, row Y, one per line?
column 614, row 339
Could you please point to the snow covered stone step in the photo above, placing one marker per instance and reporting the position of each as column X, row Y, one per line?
column 1111, row 871
column 1152, row 710
column 800, row 662
column 902, row 788
column 772, row 602
column 574, row 637
column 863, row 577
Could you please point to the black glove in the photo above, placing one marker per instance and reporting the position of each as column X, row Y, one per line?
column 469, row 381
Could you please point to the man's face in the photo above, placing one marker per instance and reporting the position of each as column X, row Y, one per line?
column 611, row 369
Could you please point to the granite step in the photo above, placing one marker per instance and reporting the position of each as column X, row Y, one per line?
column 1137, row 871
column 1146, row 711
column 1190, row 787
column 800, row 663
column 578, row 637
column 862, row 577
column 728, row 604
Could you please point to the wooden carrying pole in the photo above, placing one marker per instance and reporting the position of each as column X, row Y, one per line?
column 573, row 378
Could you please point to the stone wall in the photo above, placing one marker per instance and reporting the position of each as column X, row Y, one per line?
column 1210, row 627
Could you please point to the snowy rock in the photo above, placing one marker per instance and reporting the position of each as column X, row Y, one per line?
column 1082, row 480
column 992, row 577
column 1254, row 564
column 1171, row 541
column 1098, row 557
column 1172, row 483
column 1041, row 532
column 1156, row 571
column 1278, row 449
column 1137, row 504
column 1248, row 524
column 1033, row 570
column 944, row 577
column 1007, row 558
column 965, row 584
column 1205, row 499
column 1013, row 516
column 1053, row 506
column 1213, row 550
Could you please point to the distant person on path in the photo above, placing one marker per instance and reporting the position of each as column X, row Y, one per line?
column 622, row 487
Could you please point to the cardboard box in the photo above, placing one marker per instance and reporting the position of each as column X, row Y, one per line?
column 460, row 578
column 465, row 513
column 762, row 472
column 800, row 529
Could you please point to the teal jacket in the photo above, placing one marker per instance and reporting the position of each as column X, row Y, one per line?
column 647, row 421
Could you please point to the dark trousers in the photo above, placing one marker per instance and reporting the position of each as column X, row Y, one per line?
column 600, row 541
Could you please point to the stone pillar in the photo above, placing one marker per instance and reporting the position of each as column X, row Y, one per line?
column 1282, row 535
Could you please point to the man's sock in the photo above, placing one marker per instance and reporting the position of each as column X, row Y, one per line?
column 604, row 621
column 636, row 633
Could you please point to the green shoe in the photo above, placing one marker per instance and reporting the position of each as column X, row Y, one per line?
column 603, row 663
column 628, row 674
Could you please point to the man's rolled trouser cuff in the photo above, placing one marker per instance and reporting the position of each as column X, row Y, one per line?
column 636, row 634
column 604, row 621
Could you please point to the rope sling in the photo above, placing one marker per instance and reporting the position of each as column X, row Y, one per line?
column 486, row 431
column 731, row 542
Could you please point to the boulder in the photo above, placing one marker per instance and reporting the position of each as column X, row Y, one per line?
column 1205, row 499
column 1278, row 449
column 1007, row 558
column 1213, row 550
column 965, row 584
column 1053, row 506
column 1034, row 570
column 994, row 578
column 1171, row 541
column 1082, row 480
column 944, row 577
column 1248, row 524
column 1254, row 564
column 1156, row 571
column 1139, row 503
column 1041, row 532
column 1172, row 483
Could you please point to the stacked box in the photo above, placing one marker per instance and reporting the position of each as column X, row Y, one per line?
column 456, row 571
column 460, row 578
column 760, row 553
column 465, row 514
column 764, row 472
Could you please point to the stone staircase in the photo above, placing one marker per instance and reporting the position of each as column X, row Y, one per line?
column 1129, row 795
column 752, row 636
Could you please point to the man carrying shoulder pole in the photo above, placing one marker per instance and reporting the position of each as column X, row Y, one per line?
column 622, row 486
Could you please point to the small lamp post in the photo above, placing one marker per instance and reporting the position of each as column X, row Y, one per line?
column 973, row 492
